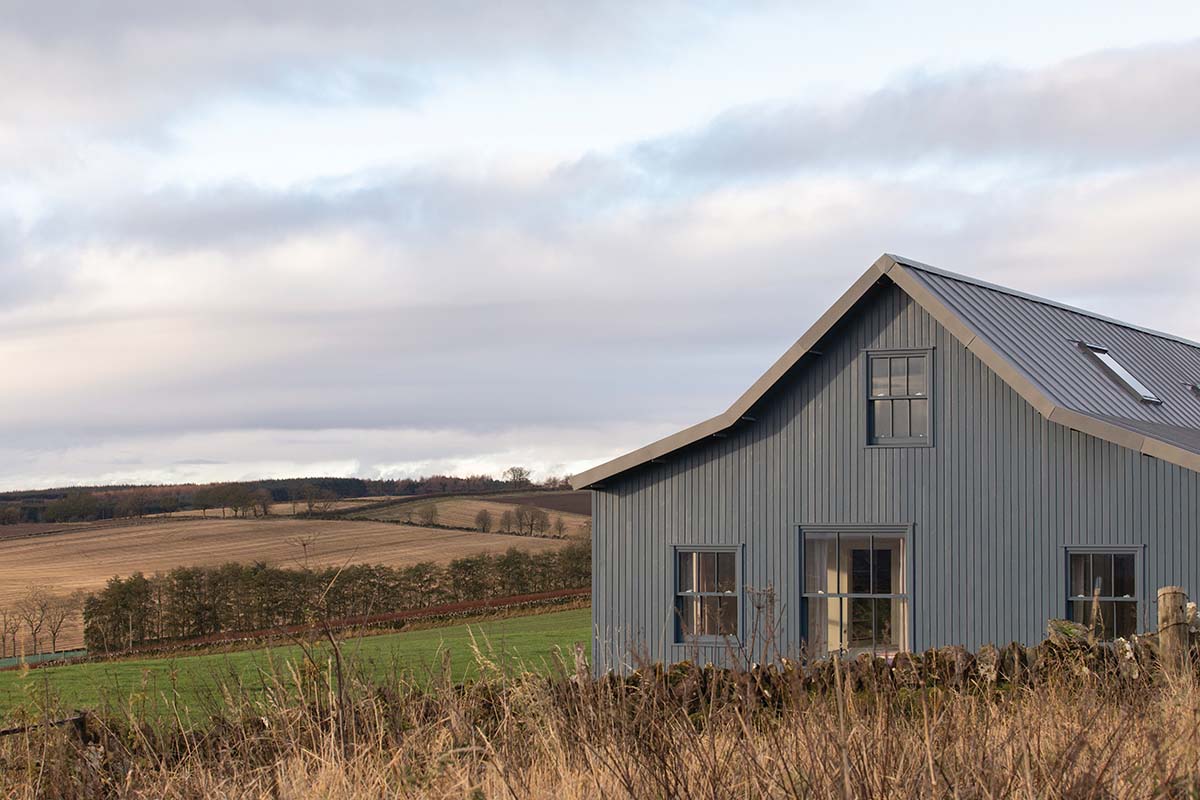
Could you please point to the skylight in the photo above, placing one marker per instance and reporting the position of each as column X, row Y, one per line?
column 1120, row 373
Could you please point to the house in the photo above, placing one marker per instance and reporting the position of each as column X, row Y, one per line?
column 936, row 461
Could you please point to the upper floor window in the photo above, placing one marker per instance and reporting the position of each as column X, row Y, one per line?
column 898, row 412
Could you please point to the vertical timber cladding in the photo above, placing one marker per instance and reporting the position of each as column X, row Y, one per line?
column 992, row 504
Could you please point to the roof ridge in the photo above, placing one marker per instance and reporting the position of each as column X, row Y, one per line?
column 995, row 287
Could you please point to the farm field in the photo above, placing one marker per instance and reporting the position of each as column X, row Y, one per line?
column 461, row 511
column 519, row 643
column 570, row 501
column 277, row 509
column 86, row 558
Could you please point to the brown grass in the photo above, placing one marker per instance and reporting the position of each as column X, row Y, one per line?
column 691, row 736
column 86, row 558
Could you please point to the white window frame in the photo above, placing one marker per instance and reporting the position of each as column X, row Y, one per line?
column 678, row 636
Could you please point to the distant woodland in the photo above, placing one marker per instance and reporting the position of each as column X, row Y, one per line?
column 247, row 498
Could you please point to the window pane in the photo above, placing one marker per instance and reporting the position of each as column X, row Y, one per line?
column 888, row 623
column 883, row 419
column 1081, row 611
column 1123, row 582
column 900, row 418
column 1125, row 624
column 889, row 565
column 726, row 572
column 920, row 418
column 1102, row 569
column 860, row 623
column 686, row 574
column 824, row 625
column 917, row 383
column 687, row 611
column 712, row 616
column 880, row 382
column 820, row 564
column 727, row 623
column 1080, row 576
column 856, row 565
column 899, row 375
column 707, row 576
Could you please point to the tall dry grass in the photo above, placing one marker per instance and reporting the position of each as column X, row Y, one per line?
column 683, row 733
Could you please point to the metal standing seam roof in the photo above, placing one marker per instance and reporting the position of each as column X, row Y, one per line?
column 1033, row 344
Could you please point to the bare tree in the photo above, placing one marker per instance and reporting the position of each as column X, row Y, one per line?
column 483, row 520
column 518, row 476
column 506, row 521
column 427, row 514
column 10, row 626
column 262, row 498
column 32, row 609
column 559, row 527
column 59, row 611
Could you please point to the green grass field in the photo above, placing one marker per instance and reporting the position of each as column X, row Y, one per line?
column 195, row 682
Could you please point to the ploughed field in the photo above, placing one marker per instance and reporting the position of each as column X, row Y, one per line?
column 85, row 556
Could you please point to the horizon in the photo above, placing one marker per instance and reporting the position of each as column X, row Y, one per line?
column 388, row 244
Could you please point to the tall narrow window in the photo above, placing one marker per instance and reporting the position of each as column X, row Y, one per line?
column 854, row 592
column 1112, row 574
column 898, row 399
column 707, row 593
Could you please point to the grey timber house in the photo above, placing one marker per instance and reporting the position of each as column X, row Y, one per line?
column 936, row 461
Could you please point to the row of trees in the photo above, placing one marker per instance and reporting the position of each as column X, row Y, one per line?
column 524, row 519
column 39, row 616
column 188, row 602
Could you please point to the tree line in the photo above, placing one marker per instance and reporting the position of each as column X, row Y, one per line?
column 189, row 602
column 314, row 495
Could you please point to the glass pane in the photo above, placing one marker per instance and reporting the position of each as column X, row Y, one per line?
column 882, row 427
column 888, row 624
column 726, row 572
column 860, row 627
column 824, row 625
column 917, row 383
column 1123, row 582
column 1081, row 611
column 727, row 623
column 900, row 418
column 1102, row 569
column 856, row 561
column 712, row 615
column 880, row 382
column 899, row 375
column 687, row 611
column 1125, row 622
column 920, row 418
column 1081, row 576
column 820, row 564
column 706, row 577
column 686, row 575
column 882, row 577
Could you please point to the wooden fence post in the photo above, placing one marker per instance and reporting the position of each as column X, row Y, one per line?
column 1172, row 629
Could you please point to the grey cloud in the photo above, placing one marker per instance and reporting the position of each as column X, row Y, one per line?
column 1110, row 109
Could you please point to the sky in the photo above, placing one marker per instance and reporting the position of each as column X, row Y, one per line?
column 244, row 240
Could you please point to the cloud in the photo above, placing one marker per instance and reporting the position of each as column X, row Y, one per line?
column 1112, row 109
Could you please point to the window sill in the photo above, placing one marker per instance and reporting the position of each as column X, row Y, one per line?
column 900, row 443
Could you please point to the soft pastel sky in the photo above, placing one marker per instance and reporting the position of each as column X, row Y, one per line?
column 252, row 239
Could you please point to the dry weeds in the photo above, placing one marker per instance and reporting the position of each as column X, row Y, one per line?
column 686, row 734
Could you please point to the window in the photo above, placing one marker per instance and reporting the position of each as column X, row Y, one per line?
column 1114, row 574
column 707, row 590
column 1119, row 372
column 898, row 399
column 854, row 591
